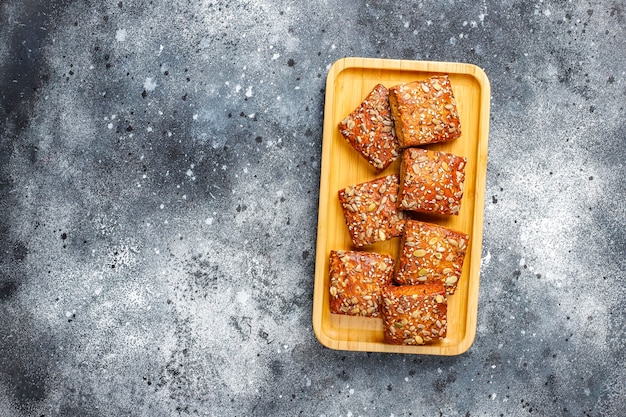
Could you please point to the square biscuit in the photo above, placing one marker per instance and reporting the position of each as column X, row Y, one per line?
column 431, row 181
column 425, row 112
column 430, row 254
column 414, row 314
column 369, row 129
column 357, row 280
column 370, row 210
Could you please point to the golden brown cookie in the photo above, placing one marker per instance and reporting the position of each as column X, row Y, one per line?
column 424, row 112
column 431, row 181
column 371, row 212
column 414, row 314
column 430, row 254
column 369, row 129
column 357, row 280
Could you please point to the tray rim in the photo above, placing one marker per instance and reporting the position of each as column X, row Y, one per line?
column 477, row 222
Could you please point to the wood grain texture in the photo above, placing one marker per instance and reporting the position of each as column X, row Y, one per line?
column 348, row 82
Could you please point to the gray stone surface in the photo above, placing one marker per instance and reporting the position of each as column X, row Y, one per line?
column 159, row 179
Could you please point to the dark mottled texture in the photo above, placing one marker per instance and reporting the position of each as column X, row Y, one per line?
column 159, row 179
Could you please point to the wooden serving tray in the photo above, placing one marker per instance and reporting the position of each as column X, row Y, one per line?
column 349, row 81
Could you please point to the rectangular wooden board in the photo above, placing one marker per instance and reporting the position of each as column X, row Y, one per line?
column 349, row 80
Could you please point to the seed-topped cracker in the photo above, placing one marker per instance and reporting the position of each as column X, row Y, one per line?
column 414, row 314
column 369, row 129
column 371, row 212
column 431, row 181
column 429, row 254
column 424, row 112
column 357, row 280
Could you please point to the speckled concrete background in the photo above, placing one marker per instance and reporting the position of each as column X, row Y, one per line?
column 159, row 178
